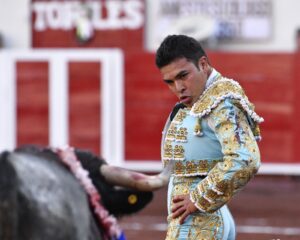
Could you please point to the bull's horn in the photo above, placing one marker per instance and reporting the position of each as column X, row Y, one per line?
column 135, row 180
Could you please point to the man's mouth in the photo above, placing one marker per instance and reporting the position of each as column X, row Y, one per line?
column 185, row 99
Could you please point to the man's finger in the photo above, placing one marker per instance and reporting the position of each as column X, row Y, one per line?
column 183, row 217
column 177, row 206
column 178, row 198
column 178, row 212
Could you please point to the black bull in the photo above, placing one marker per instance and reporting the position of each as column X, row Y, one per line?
column 40, row 199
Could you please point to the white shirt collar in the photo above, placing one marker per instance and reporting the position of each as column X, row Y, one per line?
column 212, row 77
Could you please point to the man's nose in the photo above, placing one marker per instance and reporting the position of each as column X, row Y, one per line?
column 180, row 87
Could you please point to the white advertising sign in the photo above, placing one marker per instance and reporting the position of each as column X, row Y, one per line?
column 103, row 15
column 222, row 20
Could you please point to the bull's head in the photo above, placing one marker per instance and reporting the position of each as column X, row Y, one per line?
column 117, row 197
column 122, row 191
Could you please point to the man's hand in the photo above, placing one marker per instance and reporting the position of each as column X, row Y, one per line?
column 183, row 207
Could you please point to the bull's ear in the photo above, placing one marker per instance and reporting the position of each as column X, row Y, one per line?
column 124, row 201
column 89, row 161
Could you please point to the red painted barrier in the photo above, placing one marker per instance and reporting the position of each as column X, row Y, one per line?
column 32, row 103
column 270, row 80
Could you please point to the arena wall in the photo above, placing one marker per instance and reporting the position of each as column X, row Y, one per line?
column 55, row 106
column 105, row 94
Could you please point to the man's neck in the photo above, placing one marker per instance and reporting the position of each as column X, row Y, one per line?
column 211, row 77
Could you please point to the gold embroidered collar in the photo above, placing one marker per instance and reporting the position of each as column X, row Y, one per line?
column 218, row 91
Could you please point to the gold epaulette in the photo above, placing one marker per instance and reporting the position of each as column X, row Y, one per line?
column 220, row 90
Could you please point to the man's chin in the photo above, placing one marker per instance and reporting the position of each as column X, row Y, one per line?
column 187, row 103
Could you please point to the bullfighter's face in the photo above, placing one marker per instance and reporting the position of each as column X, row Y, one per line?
column 185, row 79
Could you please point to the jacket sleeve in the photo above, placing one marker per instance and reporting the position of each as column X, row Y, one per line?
column 240, row 162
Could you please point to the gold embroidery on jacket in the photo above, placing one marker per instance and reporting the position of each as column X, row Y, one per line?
column 171, row 133
column 168, row 151
column 181, row 134
column 194, row 167
column 231, row 174
column 216, row 93
column 180, row 116
column 177, row 134
column 179, row 152
column 202, row 225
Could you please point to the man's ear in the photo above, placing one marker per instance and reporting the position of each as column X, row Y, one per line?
column 203, row 63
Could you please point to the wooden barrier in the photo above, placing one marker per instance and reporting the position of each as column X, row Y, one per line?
column 270, row 80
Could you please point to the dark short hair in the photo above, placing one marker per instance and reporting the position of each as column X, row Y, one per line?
column 178, row 46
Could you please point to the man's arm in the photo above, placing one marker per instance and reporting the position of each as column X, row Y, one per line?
column 241, row 158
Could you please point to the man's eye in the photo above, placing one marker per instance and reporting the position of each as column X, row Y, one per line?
column 183, row 75
column 169, row 82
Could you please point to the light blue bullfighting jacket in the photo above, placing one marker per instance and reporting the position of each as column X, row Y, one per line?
column 214, row 152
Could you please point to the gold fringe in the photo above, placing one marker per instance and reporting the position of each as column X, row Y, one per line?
column 197, row 129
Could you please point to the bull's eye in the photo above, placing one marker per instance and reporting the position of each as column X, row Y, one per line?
column 132, row 199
